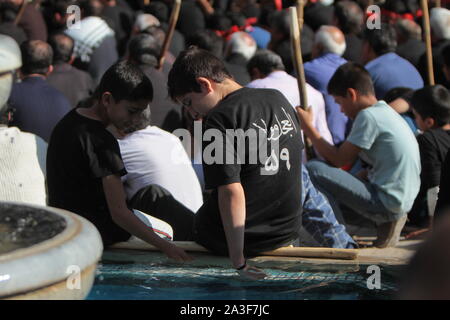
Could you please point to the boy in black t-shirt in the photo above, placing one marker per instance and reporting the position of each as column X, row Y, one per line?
column 255, row 205
column 431, row 108
column 84, row 164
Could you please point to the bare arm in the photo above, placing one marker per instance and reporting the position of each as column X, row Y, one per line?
column 346, row 154
column 400, row 105
column 122, row 216
column 232, row 211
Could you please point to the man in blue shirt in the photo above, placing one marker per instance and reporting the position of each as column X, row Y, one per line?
column 38, row 106
column 329, row 46
column 387, row 69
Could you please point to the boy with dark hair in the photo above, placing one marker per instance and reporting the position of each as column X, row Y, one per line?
column 85, row 164
column 254, row 207
column 383, row 140
column 431, row 108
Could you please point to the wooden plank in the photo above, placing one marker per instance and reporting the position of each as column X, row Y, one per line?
column 328, row 253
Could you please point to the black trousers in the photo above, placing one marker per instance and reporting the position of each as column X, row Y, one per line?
column 156, row 201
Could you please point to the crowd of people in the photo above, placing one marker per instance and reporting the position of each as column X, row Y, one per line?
column 94, row 116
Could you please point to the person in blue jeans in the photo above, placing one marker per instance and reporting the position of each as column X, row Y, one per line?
column 386, row 191
column 319, row 220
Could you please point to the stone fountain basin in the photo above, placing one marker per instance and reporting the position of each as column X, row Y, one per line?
column 46, row 253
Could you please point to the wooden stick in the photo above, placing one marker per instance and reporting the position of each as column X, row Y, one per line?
column 172, row 24
column 438, row 3
column 300, row 12
column 427, row 30
column 21, row 11
column 298, row 64
column 329, row 253
column 298, row 53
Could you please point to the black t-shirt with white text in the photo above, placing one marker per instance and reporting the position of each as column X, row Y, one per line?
column 80, row 153
column 269, row 169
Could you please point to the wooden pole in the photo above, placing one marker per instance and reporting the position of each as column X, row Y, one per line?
column 298, row 55
column 21, row 11
column 298, row 65
column 300, row 12
column 427, row 31
column 172, row 24
column 308, row 252
column 438, row 3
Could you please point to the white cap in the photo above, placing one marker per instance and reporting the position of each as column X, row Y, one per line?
column 10, row 56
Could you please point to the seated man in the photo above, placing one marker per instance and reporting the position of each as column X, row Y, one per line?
column 75, row 84
column 329, row 46
column 267, row 71
column 154, row 156
column 22, row 154
column 387, row 69
column 383, row 140
column 38, row 105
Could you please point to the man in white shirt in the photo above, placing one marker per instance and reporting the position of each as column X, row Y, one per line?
column 22, row 154
column 267, row 71
column 154, row 156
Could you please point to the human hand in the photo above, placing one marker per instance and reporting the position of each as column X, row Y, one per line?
column 305, row 116
column 251, row 273
column 176, row 253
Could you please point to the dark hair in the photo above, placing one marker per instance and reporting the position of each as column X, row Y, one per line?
column 279, row 21
column 62, row 46
column 218, row 21
column 207, row 40
column 60, row 6
column 433, row 102
column 265, row 61
column 383, row 40
column 190, row 65
column 142, row 122
column 159, row 10
column 144, row 49
column 350, row 75
column 237, row 18
column 37, row 57
column 446, row 55
column 8, row 12
column 125, row 81
column 402, row 6
column 399, row 92
column 350, row 16
column 91, row 8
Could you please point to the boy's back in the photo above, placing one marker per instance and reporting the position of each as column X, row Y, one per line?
column 391, row 149
column 273, row 187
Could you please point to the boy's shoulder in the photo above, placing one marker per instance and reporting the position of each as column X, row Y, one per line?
column 75, row 126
